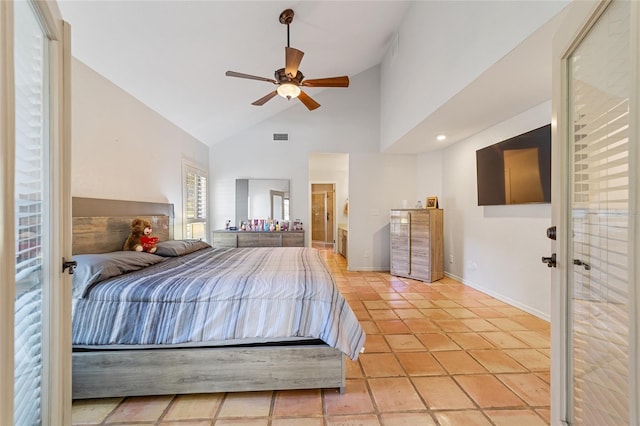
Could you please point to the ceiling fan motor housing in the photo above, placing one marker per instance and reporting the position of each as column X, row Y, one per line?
column 281, row 77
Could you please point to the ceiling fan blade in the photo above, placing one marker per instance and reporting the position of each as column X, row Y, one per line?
column 249, row 76
column 293, row 57
column 307, row 101
column 327, row 82
column 263, row 100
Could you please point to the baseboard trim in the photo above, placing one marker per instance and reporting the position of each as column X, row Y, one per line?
column 367, row 269
column 501, row 297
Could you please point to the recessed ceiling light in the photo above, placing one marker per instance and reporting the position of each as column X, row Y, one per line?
column 441, row 137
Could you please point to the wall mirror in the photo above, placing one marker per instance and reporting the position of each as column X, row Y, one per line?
column 261, row 199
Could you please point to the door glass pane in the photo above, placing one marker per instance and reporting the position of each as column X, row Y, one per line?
column 599, row 169
column 30, row 201
column 318, row 212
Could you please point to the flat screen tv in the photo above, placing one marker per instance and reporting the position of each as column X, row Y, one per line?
column 516, row 170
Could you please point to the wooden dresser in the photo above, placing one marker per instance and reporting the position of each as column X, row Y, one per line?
column 417, row 244
column 224, row 238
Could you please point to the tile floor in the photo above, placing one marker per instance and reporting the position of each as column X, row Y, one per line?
column 436, row 354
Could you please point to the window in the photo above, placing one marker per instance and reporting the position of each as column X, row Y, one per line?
column 194, row 201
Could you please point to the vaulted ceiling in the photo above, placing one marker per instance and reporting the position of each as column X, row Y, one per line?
column 173, row 55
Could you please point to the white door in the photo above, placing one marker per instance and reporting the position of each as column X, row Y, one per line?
column 595, row 361
column 35, row 356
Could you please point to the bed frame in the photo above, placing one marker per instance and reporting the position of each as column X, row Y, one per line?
column 101, row 226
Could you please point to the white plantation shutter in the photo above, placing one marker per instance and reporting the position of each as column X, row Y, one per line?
column 195, row 201
column 30, row 169
column 600, row 205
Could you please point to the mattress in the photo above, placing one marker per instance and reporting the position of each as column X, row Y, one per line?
column 217, row 296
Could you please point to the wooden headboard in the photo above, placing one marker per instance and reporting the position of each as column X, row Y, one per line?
column 102, row 226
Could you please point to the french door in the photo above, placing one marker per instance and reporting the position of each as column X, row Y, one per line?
column 35, row 299
column 595, row 318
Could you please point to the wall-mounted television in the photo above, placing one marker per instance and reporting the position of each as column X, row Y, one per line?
column 516, row 170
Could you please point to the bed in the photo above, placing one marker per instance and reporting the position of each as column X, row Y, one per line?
column 227, row 319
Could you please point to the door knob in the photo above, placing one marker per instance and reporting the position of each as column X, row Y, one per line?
column 551, row 232
column 550, row 261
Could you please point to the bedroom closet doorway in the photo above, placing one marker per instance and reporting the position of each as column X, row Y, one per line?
column 328, row 194
column 322, row 214
column 35, row 295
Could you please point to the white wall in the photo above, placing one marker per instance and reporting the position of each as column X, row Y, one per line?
column 428, row 177
column 122, row 149
column 442, row 46
column 496, row 249
column 377, row 184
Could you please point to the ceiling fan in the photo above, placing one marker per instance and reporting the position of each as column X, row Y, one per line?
column 289, row 79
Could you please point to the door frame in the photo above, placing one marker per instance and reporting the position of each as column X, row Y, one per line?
column 56, row 332
column 580, row 17
column 7, row 213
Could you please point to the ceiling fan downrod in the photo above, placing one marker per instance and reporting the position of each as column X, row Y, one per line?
column 286, row 18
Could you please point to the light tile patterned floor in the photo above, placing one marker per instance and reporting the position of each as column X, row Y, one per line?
column 436, row 354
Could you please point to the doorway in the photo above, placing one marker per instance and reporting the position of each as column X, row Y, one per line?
column 332, row 169
column 322, row 214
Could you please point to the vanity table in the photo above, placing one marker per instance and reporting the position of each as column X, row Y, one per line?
column 260, row 198
column 233, row 239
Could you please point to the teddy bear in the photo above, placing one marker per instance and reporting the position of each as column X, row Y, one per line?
column 140, row 238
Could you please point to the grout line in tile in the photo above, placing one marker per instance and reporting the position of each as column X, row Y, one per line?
column 220, row 405
column 167, row 408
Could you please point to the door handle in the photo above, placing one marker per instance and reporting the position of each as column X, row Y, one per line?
column 71, row 264
column 579, row 262
column 550, row 261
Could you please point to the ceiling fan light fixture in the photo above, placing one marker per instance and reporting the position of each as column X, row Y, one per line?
column 288, row 90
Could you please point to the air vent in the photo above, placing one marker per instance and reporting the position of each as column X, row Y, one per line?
column 281, row 136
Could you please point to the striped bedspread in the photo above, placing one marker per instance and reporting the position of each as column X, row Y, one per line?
column 220, row 294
